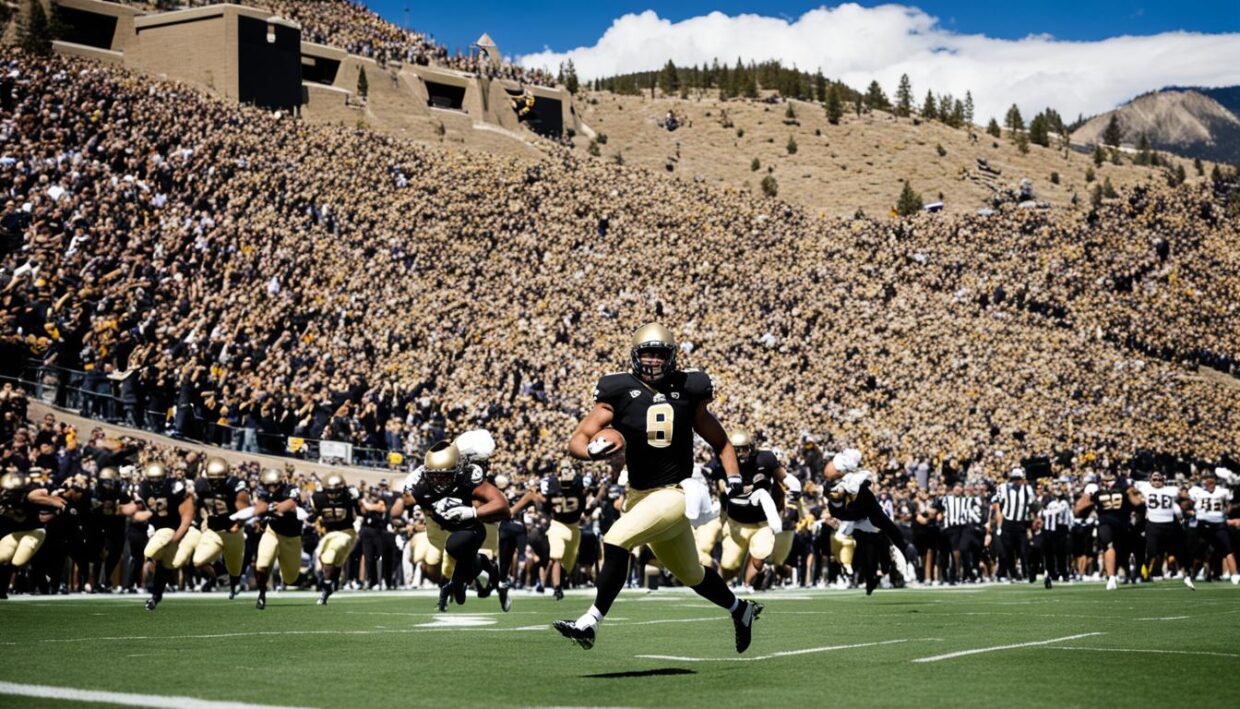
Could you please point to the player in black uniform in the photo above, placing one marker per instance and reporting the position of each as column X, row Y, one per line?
column 220, row 495
column 753, row 515
column 657, row 408
column 335, row 507
column 169, row 507
column 110, row 494
column 22, row 505
column 446, row 490
column 278, row 505
column 564, row 501
column 852, row 502
column 1113, row 501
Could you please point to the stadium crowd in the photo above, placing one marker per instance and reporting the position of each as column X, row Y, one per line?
column 215, row 268
column 357, row 29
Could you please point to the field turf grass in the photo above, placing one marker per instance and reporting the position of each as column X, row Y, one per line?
column 1159, row 644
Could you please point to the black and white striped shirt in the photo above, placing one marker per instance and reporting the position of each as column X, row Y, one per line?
column 960, row 510
column 1056, row 514
column 1015, row 501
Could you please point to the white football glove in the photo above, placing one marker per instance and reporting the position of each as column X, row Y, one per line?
column 852, row 482
column 762, row 498
column 475, row 445
column 601, row 448
column 242, row 515
column 463, row 513
column 847, row 460
column 903, row 564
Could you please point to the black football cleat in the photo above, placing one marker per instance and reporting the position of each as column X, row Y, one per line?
column 742, row 621
column 326, row 593
column 559, row 594
column 505, row 603
column 152, row 602
column 459, row 593
column 261, row 603
column 870, row 585
column 442, row 605
column 582, row 636
column 232, row 592
column 1047, row 582
column 483, row 589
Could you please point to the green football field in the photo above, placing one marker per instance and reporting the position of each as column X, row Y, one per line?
column 1078, row 645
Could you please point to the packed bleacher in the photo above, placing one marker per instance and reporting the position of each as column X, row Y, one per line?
column 354, row 27
column 210, row 263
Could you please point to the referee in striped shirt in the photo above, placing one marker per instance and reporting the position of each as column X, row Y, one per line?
column 961, row 519
column 1014, row 503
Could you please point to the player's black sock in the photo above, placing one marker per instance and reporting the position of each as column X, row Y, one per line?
column 6, row 573
column 714, row 589
column 612, row 576
column 232, row 582
column 161, row 580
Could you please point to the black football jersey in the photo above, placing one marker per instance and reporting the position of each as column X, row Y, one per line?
column 337, row 513
column 108, row 500
column 434, row 503
column 19, row 514
column 283, row 524
column 656, row 422
column 164, row 502
column 564, row 502
column 1112, row 503
column 758, row 473
column 215, row 506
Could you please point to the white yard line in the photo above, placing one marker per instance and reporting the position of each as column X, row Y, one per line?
column 69, row 694
column 997, row 648
column 773, row 655
column 1145, row 651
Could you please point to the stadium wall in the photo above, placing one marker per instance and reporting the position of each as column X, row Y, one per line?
column 208, row 46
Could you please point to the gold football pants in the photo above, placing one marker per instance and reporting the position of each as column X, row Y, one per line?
column 336, row 547
column 564, row 540
column 160, row 548
column 274, row 547
column 213, row 544
column 656, row 517
column 19, row 548
column 755, row 539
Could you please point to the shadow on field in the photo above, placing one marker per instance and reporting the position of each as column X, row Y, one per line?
column 657, row 672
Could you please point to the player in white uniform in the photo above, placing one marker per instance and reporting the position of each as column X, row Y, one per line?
column 1211, row 502
column 1163, row 533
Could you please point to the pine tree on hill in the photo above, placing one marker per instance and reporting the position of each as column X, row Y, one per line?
column 929, row 109
column 835, row 107
column 909, row 203
column 1112, row 135
column 904, row 97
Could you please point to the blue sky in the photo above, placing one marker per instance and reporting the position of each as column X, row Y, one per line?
column 525, row 27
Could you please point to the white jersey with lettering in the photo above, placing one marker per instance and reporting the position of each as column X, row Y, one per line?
column 1161, row 503
column 1211, row 506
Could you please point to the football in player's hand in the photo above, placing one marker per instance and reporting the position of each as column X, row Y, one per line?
column 607, row 443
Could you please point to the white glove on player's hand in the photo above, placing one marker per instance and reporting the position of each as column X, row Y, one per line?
column 464, row 513
column 847, row 460
column 242, row 514
column 762, row 499
column 601, row 448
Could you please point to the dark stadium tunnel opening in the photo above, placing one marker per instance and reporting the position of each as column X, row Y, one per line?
column 628, row 674
column 446, row 96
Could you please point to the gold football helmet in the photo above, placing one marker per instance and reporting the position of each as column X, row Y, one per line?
column 155, row 472
column 217, row 472
column 270, row 478
column 442, row 466
column 742, row 442
column 13, row 484
column 653, row 337
column 335, row 486
column 109, row 474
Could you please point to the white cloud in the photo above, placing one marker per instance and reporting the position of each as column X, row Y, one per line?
column 858, row 44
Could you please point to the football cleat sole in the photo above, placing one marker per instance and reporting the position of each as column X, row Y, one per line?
column 583, row 637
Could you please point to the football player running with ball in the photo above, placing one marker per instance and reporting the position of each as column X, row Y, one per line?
column 168, row 505
column 657, row 409
column 335, row 506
